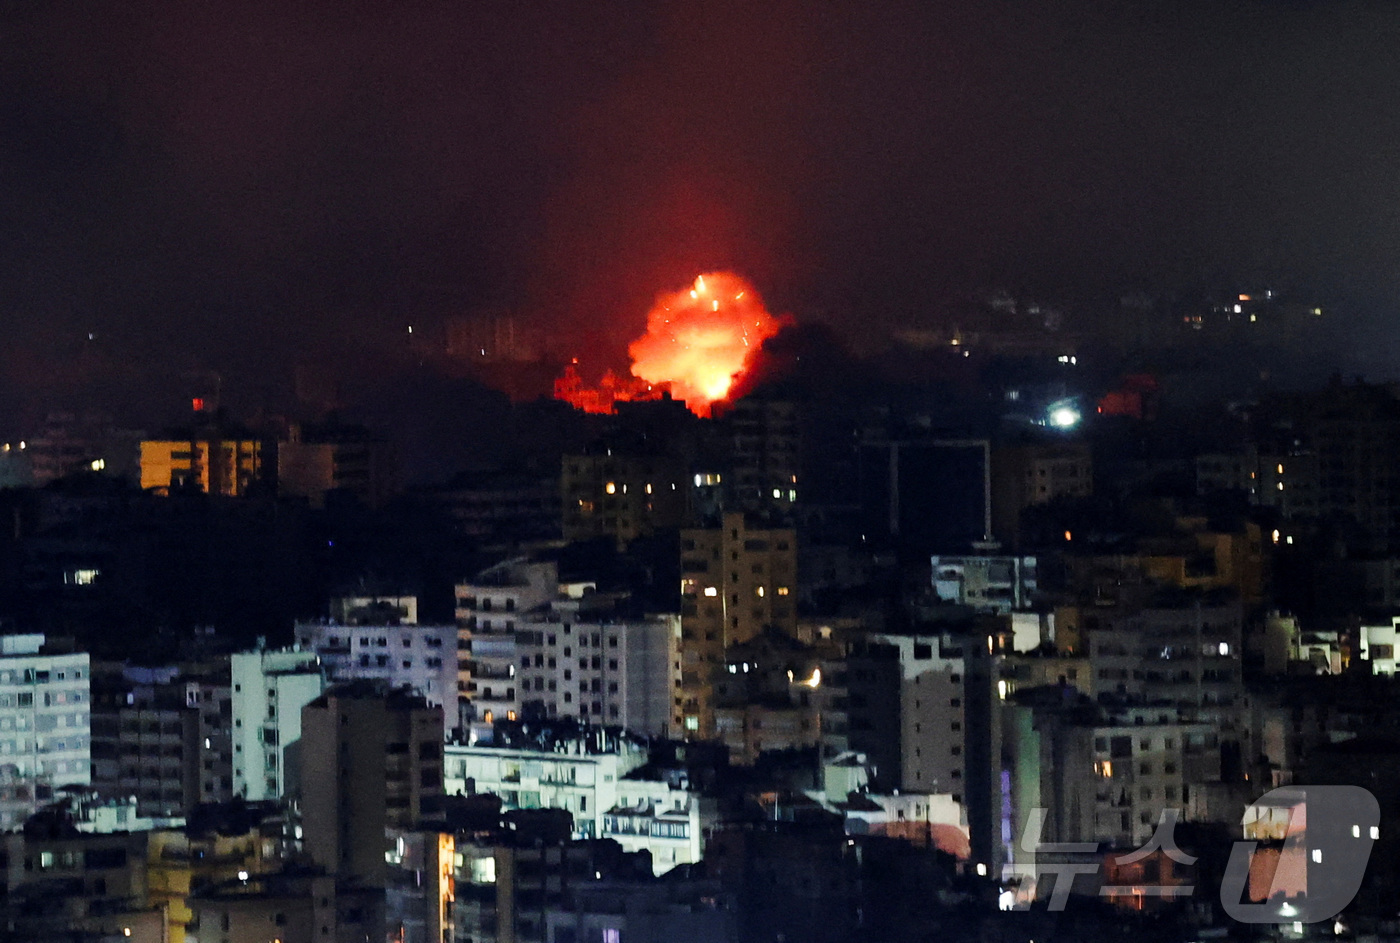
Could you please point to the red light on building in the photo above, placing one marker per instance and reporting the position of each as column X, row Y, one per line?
column 198, row 404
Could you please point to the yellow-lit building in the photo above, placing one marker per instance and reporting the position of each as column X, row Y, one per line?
column 213, row 464
column 735, row 581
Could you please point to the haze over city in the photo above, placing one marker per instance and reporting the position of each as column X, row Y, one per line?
column 483, row 472
column 250, row 189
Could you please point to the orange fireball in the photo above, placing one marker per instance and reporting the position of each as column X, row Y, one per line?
column 700, row 339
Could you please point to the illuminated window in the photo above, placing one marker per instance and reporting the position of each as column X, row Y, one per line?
column 489, row 717
column 80, row 577
column 711, row 591
column 782, row 590
column 611, row 488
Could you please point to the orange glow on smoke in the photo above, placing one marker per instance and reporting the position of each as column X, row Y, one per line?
column 698, row 341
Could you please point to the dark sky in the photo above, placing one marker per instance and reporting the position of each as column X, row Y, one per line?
column 249, row 186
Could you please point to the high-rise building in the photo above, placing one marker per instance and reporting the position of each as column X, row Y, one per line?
column 584, row 658
column 765, row 457
column 1031, row 474
column 369, row 759
column 145, row 740
column 1077, row 773
column 489, row 607
column 610, row 493
column 924, row 706
column 162, row 739
column 269, row 690
column 45, row 732
column 422, row 658
column 211, row 695
column 211, row 459
column 736, row 581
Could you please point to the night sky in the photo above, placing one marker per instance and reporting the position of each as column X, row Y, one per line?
column 247, row 187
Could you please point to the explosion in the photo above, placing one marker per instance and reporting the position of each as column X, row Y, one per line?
column 698, row 342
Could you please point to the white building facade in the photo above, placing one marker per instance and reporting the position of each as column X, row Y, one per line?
column 269, row 690
column 602, row 670
column 1378, row 645
column 45, row 725
column 422, row 658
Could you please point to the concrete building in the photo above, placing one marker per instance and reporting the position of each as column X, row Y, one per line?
column 422, row 658
column 623, row 496
column 553, row 650
column 736, row 580
column 494, row 695
column 369, row 759
column 45, row 725
column 775, row 694
column 291, row 907
column 1333, row 463
column 145, row 741
column 924, row 496
column 211, row 695
column 749, row 730
column 502, row 509
column 375, row 609
column 269, row 690
column 161, row 739
column 512, row 880
column 1194, row 556
column 1076, row 774
column 599, row 780
column 421, row 890
column 924, row 707
column 1180, row 651
column 592, row 659
column 489, row 608
column 1378, row 645
column 72, row 885
column 992, row 583
column 765, row 457
column 1229, row 471
column 208, row 459
column 1036, row 670
column 313, row 461
column 1031, row 474
column 580, row 776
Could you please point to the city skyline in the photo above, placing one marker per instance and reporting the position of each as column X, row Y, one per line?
column 249, row 192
